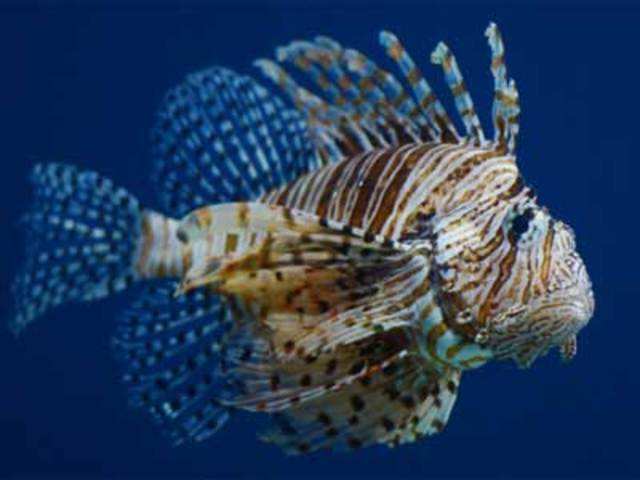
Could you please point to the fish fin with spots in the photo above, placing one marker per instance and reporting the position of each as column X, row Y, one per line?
column 266, row 382
column 220, row 136
column 171, row 352
column 400, row 403
column 314, row 283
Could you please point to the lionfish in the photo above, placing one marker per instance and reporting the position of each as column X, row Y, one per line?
column 340, row 258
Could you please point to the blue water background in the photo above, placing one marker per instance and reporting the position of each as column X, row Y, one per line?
column 81, row 84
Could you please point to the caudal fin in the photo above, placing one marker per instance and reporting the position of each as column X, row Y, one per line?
column 82, row 235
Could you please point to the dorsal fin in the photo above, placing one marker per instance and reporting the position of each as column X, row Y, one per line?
column 360, row 106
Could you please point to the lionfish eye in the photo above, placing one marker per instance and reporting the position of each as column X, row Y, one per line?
column 520, row 223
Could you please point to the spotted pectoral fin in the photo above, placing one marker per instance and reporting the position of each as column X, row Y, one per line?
column 269, row 383
column 314, row 284
column 400, row 403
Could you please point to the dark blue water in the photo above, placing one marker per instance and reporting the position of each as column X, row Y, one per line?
column 82, row 84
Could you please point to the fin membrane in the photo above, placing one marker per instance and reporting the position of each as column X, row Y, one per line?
column 357, row 106
column 399, row 403
column 315, row 283
column 221, row 137
column 82, row 234
column 171, row 352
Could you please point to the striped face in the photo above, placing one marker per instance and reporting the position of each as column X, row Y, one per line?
column 505, row 262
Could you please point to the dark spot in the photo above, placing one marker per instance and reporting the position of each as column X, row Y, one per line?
column 387, row 424
column 331, row 366
column 369, row 237
column 323, row 306
column 175, row 405
column 305, row 381
column 423, row 393
column 438, row 425
column 295, row 399
column 357, row 367
column 357, row 403
column 310, row 358
column 390, row 369
column 287, row 429
column 290, row 296
column 365, row 381
column 354, row 420
column 324, row 419
column 192, row 364
column 303, row 447
column 392, row 392
column 331, row 432
column 289, row 345
column 451, row 386
column 279, row 275
column 354, row 442
column 275, row 382
column 408, row 401
column 212, row 424
column 161, row 383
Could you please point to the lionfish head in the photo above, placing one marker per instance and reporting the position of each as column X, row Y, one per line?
column 506, row 262
column 546, row 298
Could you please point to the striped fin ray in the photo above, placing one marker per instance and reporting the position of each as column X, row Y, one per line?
column 506, row 107
column 365, row 107
column 361, row 107
column 220, row 136
column 426, row 98
column 170, row 350
column 316, row 283
column 399, row 403
column 334, row 134
column 268, row 383
column 323, row 61
column 368, row 95
column 397, row 110
column 464, row 104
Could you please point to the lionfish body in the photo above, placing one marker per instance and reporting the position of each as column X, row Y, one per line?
column 359, row 253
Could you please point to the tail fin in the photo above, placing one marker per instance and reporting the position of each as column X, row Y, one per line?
column 82, row 235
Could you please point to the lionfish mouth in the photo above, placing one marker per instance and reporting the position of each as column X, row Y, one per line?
column 553, row 321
